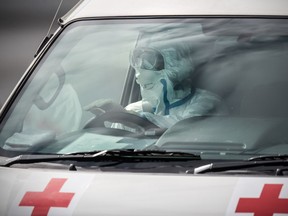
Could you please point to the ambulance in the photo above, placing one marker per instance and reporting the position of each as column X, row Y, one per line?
column 152, row 107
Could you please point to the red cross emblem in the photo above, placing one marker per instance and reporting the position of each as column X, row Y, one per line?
column 50, row 197
column 267, row 204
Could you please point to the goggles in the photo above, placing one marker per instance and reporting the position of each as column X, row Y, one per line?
column 147, row 59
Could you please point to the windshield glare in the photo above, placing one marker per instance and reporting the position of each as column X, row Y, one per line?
column 214, row 87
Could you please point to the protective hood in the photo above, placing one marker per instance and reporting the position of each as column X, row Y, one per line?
column 160, row 74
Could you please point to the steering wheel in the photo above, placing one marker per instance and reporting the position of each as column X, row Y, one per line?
column 125, row 118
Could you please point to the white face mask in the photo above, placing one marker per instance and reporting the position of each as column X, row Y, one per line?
column 155, row 88
column 153, row 95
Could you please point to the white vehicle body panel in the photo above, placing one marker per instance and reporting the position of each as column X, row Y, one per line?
column 133, row 194
column 92, row 8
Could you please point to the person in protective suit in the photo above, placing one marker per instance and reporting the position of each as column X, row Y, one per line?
column 166, row 99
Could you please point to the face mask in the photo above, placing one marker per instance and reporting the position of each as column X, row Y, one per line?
column 155, row 90
column 153, row 96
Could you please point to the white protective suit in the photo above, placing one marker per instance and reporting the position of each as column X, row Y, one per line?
column 63, row 116
column 159, row 72
column 39, row 126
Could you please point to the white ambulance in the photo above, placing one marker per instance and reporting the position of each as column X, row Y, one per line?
column 152, row 107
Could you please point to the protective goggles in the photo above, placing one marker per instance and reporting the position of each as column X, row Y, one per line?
column 147, row 59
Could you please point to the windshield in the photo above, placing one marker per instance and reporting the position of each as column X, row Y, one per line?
column 212, row 87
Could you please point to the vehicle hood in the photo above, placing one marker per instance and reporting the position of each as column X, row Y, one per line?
column 57, row 192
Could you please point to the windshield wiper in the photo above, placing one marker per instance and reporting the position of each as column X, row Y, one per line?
column 135, row 154
column 236, row 165
column 127, row 155
column 269, row 157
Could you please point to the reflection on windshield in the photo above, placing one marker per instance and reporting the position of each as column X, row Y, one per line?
column 215, row 87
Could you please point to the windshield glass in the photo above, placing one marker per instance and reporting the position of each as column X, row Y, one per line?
column 210, row 86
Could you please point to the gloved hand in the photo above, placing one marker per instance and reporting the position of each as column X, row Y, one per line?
column 101, row 106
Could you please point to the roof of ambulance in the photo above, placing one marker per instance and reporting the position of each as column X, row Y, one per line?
column 102, row 8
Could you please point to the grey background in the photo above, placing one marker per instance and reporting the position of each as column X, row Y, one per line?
column 23, row 25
